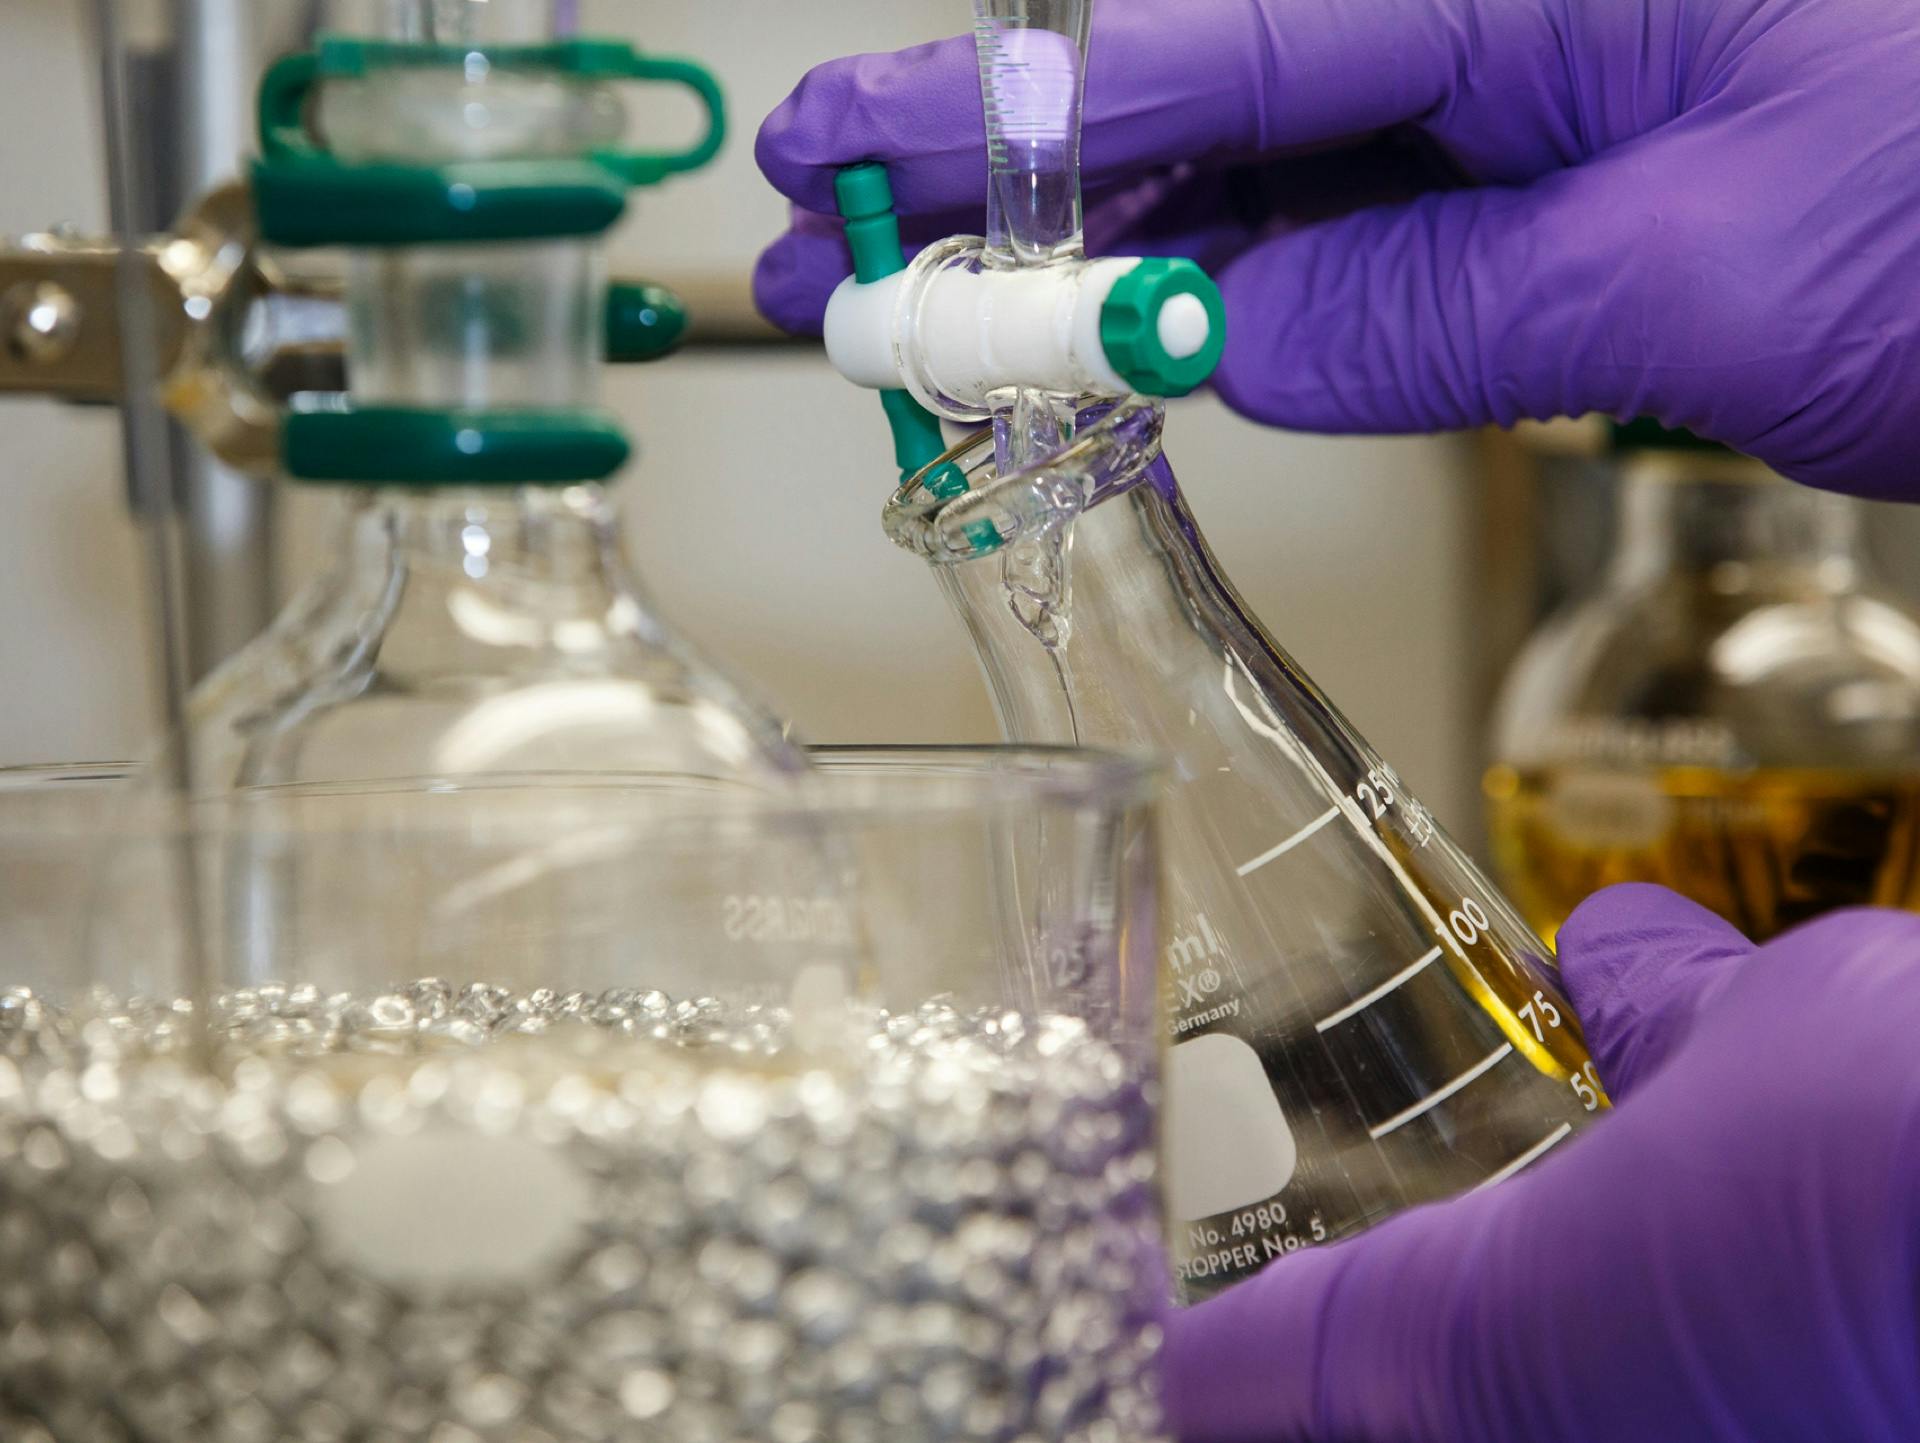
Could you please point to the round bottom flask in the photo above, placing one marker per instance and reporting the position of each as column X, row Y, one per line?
column 1733, row 711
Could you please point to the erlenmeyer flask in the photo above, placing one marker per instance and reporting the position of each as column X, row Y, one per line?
column 1358, row 1021
column 479, row 619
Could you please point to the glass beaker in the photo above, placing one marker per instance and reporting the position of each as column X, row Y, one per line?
column 581, row 1118
column 1359, row 1023
column 1733, row 711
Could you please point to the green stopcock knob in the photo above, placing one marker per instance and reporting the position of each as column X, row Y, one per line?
column 644, row 322
column 1164, row 327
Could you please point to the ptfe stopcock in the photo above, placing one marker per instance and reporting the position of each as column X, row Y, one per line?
column 954, row 330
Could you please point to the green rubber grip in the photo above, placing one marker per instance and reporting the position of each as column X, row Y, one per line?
column 397, row 446
column 320, row 202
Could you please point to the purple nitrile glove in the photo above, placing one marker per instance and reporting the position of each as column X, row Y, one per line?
column 1706, row 211
column 1733, row 1256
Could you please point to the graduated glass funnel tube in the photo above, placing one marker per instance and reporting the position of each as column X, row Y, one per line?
column 1032, row 74
column 1358, row 1021
column 1032, row 66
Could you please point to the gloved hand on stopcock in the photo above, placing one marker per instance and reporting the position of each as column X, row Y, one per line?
column 1732, row 1256
column 1430, row 214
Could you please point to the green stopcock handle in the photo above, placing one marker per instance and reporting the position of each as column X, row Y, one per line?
column 865, row 198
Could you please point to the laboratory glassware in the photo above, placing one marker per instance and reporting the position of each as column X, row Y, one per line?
column 580, row 1114
column 1733, row 710
column 1359, row 1022
column 478, row 618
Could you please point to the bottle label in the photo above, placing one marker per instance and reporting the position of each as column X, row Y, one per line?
column 1680, row 741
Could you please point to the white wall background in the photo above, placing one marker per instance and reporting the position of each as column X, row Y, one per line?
column 753, row 511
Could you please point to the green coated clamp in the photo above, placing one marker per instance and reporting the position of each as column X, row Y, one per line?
column 319, row 202
column 306, row 196
column 397, row 446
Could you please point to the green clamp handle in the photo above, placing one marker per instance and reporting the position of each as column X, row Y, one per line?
column 282, row 106
column 644, row 323
column 306, row 196
column 391, row 445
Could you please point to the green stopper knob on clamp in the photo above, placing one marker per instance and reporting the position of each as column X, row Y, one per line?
column 1164, row 328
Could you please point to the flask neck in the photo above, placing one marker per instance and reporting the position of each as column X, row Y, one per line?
column 526, row 571
column 1140, row 610
column 563, row 537
column 1733, row 520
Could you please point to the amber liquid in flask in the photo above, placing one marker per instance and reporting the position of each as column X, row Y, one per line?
column 1732, row 710
column 1357, row 1021
column 1766, row 850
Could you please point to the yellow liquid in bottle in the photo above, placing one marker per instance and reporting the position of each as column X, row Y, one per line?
column 1767, row 850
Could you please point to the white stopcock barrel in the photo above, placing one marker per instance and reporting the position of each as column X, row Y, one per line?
column 953, row 331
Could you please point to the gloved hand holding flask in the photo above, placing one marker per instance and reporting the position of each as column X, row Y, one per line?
column 1733, row 1256
column 1705, row 211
